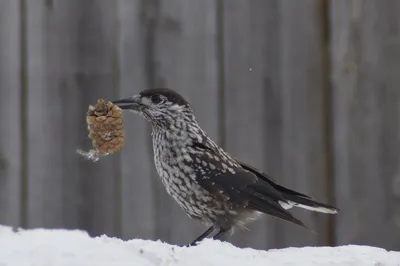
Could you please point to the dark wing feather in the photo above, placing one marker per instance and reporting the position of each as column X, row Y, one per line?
column 267, row 178
column 289, row 195
column 243, row 188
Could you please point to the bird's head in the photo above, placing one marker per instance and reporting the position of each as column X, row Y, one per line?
column 160, row 106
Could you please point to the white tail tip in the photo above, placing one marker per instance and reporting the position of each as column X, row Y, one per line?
column 290, row 204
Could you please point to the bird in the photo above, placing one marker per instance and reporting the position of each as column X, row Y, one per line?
column 208, row 183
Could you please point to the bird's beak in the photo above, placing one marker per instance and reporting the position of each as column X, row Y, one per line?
column 130, row 103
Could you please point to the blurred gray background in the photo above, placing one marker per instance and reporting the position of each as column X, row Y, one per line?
column 306, row 90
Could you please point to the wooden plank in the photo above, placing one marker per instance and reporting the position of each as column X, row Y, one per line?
column 304, row 87
column 52, row 128
column 97, row 76
column 185, row 59
column 366, row 58
column 139, row 217
column 10, row 114
column 252, row 98
column 70, row 64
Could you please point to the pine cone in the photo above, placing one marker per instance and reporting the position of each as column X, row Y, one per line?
column 105, row 127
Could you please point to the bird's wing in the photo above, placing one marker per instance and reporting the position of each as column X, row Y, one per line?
column 239, row 185
column 291, row 195
column 267, row 178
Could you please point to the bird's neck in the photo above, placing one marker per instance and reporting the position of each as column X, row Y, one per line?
column 181, row 132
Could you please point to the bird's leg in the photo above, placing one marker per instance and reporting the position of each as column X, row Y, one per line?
column 222, row 232
column 202, row 236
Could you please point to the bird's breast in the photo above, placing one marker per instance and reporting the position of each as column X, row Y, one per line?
column 180, row 167
column 175, row 167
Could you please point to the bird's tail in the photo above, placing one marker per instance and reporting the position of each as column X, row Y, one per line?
column 292, row 198
column 296, row 199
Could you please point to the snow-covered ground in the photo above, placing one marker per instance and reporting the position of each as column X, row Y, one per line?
column 69, row 248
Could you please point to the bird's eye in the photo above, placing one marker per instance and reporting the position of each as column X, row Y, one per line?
column 156, row 98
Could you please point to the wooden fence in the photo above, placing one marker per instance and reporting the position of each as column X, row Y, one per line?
column 306, row 90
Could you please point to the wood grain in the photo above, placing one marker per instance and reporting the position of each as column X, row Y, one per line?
column 70, row 64
column 52, row 127
column 303, row 87
column 10, row 114
column 366, row 59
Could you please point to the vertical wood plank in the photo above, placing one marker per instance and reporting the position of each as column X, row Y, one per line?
column 10, row 113
column 252, row 98
column 70, row 64
column 97, row 77
column 305, row 162
column 139, row 217
column 186, row 60
column 52, row 127
column 366, row 62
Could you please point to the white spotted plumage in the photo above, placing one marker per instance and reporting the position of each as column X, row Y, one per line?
column 179, row 164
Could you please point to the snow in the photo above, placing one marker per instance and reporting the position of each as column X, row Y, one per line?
column 40, row 247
